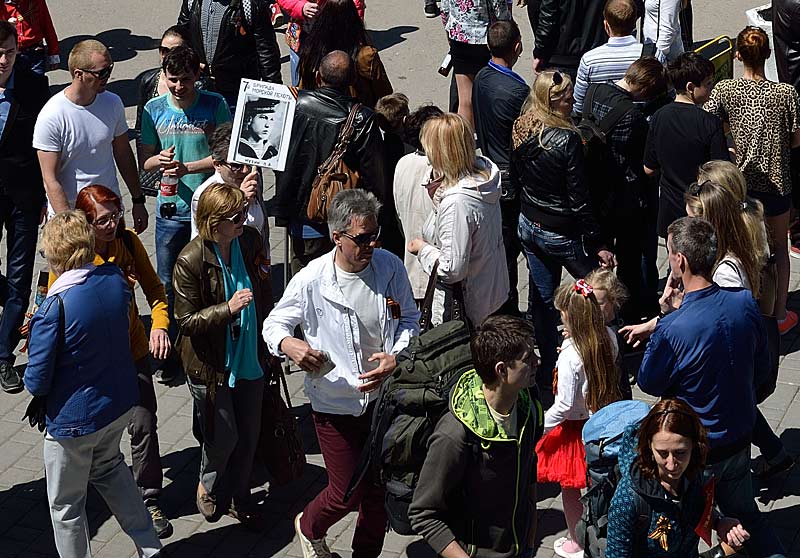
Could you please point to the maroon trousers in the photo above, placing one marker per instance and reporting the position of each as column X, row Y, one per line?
column 341, row 439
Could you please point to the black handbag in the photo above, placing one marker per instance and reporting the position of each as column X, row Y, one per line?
column 280, row 446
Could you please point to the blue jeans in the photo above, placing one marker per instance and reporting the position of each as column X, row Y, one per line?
column 734, row 495
column 21, row 226
column 294, row 62
column 548, row 253
column 171, row 237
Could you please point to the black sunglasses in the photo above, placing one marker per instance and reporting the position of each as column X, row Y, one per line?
column 364, row 239
column 695, row 187
column 105, row 73
column 558, row 79
column 238, row 217
column 235, row 167
column 163, row 51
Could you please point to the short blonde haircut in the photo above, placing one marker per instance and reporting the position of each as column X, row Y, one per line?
column 68, row 241
column 216, row 202
column 81, row 54
column 449, row 143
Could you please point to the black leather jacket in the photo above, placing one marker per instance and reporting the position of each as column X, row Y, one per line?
column 786, row 28
column 243, row 50
column 565, row 29
column 318, row 116
column 553, row 190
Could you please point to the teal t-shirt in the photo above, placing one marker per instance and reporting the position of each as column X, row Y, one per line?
column 164, row 125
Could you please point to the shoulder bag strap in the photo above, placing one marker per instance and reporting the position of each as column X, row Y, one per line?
column 427, row 301
column 343, row 139
column 588, row 102
column 62, row 326
column 611, row 119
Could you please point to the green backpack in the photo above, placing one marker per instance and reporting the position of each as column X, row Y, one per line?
column 410, row 403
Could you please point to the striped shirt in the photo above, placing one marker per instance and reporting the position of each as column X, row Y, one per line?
column 606, row 63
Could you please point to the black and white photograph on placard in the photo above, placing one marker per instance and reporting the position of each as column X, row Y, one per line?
column 262, row 124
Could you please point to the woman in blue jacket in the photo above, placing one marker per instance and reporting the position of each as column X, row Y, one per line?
column 660, row 503
column 81, row 373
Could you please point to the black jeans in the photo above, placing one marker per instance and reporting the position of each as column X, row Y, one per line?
column 21, row 227
column 145, row 457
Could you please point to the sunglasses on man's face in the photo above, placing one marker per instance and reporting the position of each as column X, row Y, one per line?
column 363, row 240
column 103, row 74
column 163, row 51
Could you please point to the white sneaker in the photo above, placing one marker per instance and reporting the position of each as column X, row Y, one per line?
column 311, row 548
column 558, row 548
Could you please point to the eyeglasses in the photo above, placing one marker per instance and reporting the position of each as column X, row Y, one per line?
column 363, row 240
column 105, row 73
column 163, row 51
column 237, row 217
column 105, row 220
column 235, row 167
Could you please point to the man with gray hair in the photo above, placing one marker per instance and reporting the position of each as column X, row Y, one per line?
column 319, row 115
column 709, row 349
column 357, row 312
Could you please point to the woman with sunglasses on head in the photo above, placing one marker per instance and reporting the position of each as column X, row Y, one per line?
column 764, row 119
column 464, row 233
column 122, row 247
column 222, row 294
column 557, row 226
column 660, row 498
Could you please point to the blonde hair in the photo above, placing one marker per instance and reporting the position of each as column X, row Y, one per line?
column 449, row 143
column 587, row 328
column 68, row 241
column 215, row 203
column 81, row 54
column 539, row 103
column 737, row 220
column 603, row 279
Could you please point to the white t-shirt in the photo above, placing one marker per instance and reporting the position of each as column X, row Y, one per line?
column 82, row 136
column 360, row 291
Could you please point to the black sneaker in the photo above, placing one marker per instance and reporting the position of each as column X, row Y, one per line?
column 160, row 522
column 763, row 470
column 431, row 9
column 10, row 380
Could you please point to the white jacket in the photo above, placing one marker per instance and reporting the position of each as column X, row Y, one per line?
column 465, row 234
column 570, row 400
column 314, row 301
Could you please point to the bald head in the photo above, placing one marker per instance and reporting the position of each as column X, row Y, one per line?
column 335, row 70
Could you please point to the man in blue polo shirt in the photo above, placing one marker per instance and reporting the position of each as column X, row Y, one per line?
column 497, row 97
column 710, row 350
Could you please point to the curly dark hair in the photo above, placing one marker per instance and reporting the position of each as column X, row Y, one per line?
column 675, row 416
column 336, row 27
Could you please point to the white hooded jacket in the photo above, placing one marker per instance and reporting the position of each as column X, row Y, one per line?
column 465, row 235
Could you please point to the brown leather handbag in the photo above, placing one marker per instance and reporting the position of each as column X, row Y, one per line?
column 280, row 446
column 333, row 175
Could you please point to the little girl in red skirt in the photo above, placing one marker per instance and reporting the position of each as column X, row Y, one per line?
column 586, row 380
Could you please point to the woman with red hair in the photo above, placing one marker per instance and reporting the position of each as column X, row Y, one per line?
column 121, row 246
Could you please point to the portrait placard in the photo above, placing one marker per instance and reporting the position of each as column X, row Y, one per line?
column 262, row 124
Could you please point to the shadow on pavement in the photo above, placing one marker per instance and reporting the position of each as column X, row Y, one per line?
column 386, row 38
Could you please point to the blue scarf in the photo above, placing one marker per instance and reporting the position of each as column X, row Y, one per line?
column 241, row 352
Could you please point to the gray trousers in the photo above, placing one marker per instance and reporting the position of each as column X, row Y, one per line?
column 145, row 458
column 227, row 453
column 70, row 465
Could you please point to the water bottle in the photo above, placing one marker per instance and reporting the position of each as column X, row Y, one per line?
column 169, row 195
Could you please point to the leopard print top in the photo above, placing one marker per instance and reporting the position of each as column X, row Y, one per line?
column 762, row 115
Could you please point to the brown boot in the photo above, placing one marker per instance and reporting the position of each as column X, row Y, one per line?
column 206, row 504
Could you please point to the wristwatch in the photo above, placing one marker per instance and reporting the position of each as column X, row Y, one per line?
column 139, row 200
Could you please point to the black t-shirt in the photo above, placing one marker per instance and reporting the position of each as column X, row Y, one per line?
column 682, row 137
column 497, row 100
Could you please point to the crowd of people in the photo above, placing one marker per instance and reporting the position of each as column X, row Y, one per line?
column 624, row 136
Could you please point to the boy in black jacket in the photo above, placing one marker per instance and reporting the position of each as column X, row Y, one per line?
column 476, row 494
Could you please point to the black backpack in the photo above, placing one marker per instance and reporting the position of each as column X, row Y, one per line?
column 410, row 403
column 600, row 166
